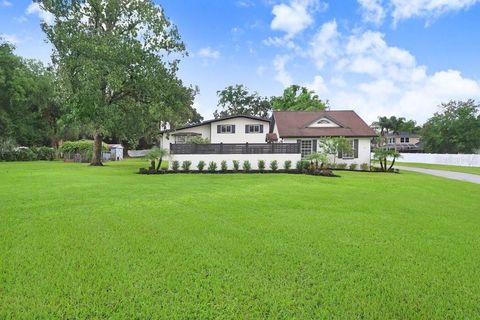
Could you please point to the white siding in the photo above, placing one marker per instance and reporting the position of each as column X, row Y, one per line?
column 239, row 136
column 204, row 130
column 363, row 150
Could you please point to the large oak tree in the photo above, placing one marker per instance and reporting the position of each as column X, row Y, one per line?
column 117, row 62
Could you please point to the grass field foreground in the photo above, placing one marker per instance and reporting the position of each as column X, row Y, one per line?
column 90, row 242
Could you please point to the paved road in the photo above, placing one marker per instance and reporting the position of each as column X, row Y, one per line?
column 445, row 174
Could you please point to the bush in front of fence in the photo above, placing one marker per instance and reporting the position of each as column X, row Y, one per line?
column 301, row 167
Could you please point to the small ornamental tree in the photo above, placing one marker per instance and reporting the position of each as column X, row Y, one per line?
column 334, row 146
column 317, row 160
column 156, row 154
column 382, row 154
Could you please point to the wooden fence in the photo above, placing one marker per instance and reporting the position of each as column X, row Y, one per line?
column 235, row 148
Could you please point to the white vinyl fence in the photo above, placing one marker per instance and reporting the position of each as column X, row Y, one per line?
column 466, row 160
column 137, row 153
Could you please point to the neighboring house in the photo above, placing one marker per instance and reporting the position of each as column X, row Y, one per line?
column 309, row 128
column 233, row 129
column 404, row 142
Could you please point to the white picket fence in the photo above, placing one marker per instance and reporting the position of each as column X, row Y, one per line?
column 465, row 160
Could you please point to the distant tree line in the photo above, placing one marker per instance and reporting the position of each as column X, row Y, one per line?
column 454, row 129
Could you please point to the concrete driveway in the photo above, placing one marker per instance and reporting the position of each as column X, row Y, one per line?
column 445, row 174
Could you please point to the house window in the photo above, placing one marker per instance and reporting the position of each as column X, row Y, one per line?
column 323, row 122
column 407, row 139
column 349, row 154
column 180, row 139
column 226, row 128
column 306, row 148
column 254, row 128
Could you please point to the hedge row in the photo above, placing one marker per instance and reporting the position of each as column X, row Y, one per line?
column 27, row 154
column 81, row 146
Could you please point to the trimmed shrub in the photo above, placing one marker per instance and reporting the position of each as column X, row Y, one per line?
column 186, row 165
column 24, row 154
column 212, row 166
column 45, row 153
column 274, row 165
column 175, row 165
column 223, row 166
column 201, row 165
column 365, row 167
column 247, row 166
column 353, row 166
column 261, row 165
column 199, row 140
column 303, row 165
column 287, row 164
column 79, row 146
column 236, row 165
column 341, row 166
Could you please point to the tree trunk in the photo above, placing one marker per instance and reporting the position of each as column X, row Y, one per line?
column 159, row 164
column 97, row 151
column 393, row 162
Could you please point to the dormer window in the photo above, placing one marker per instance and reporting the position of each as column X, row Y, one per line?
column 323, row 121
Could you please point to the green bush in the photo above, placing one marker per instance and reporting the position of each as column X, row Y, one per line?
column 365, row 167
column 303, row 165
column 24, row 154
column 274, row 165
column 353, row 166
column 287, row 164
column 236, row 165
column 199, row 140
column 341, row 166
column 261, row 165
column 45, row 153
column 212, row 166
column 80, row 146
column 175, row 165
column 247, row 166
column 223, row 166
column 186, row 165
column 201, row 165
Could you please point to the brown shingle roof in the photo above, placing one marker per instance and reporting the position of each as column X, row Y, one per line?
column 295, row 124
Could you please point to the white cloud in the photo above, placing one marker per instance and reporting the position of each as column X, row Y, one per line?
column 368, row 75
column 427, row 8
column 11, row 38
column 294, row 17
column 376, row 10
column 372, row 10
column 208, row 53
column 245, row 3
column 324, row 44
column 261, row 70
column 5, row 3
column 34, row 8
column 282, row 76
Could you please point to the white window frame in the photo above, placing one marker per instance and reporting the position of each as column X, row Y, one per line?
column 348, row 156
column 226, row 128
column 305, row 150
column 255, row 127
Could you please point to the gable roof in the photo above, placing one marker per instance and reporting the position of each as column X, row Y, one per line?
column 293, row 124
column 216, row 120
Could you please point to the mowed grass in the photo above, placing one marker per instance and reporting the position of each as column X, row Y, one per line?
column 471, row 170
column 96, row 243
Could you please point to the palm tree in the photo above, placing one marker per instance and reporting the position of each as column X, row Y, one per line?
column 317, row 157
column 156, row 154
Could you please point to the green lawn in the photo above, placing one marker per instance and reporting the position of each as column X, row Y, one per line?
column 96, row 243
column 472, row 170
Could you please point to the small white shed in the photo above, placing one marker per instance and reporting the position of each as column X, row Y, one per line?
column 116, row 151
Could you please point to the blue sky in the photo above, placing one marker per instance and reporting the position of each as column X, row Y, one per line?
column 377, row 57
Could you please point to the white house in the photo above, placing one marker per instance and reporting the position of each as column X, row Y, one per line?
column 309, row 128
column 233, row 129
column 289, row 135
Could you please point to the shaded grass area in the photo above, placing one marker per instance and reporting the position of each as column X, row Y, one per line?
column 471, row 170
column 89, row 242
